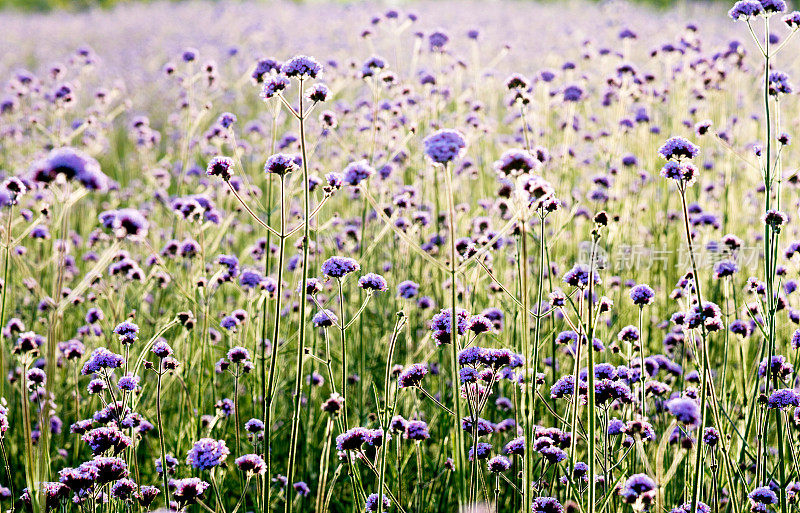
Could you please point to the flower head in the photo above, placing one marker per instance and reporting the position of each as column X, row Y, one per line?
column 339, row 267
column 207, row 453
column 444, row 146
column 301, row 66
column 221, row 167
column 678, row 148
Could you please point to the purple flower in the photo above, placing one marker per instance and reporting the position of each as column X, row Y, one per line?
column 125, row 222
column 480, row 450
column 745, row 9
column 123, row 489
column 101, row 358
column 301, row 66
column 357, row 172
column 407, row 289
column 282, row 163
column 221, row 167
column 417, row 430
column 642, row 295
column 514, row 162
column 128, row 383
column 273, row 86
column 339, row 267
column 725, row 268
column 352, row 439
column 792, row 20
column 678, row 148
column 573, row 93
column 187, row 491
column 773, row 6
column 54, row 494
column 263, row 68
column 72, row 164
column 515, row 446
column 301, row 488
column 498, row 464
column 437, row 41
column 147, row 494
column 79, row 479
column 207, row 453
column 413, row 375
column 109, row 468
column 373, row 282
column 104, row 439
column 371, row 504
column 710, row 436
column 444, row 146
column 127, row 332
column 441, row 325
column 172, row 464
column 762, row 496
column 685, row 410
column 238, row 354
column 251, row 464
column 162, row 349
column 324, row 319
column 578, row 276
column 547, row 505
column 783, row 398
column 254, row 426
column 638, row 486
column 317, row 93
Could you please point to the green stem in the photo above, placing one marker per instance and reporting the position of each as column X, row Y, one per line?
column 298, row 382
column 161, row 435
column 458, row 434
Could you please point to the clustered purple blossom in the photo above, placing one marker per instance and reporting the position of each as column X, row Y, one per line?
column 207, row 453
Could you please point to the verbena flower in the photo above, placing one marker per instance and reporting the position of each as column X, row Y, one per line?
column 547, row 505
column 498, row 464
column 72, row 164
column 301, row 66
column 252, row 464
column 357, row 172
column 413, row 375
column 339, row 267
column 371, row 504
column 685, row 410
column 743, row 10
column 324, row 319
column 642, row 295
column 444, row 146
column 100, row 359
column 373, row 282
column 187, row 491
column 221, row 167
column 127, row 332
column 783, row 398
column 678, row 148
column 273, row 86
column 207, row 453
column 638, row 487
column 281, row 164
column 417, row 430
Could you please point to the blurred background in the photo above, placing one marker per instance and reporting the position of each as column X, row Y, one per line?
column 78, row 5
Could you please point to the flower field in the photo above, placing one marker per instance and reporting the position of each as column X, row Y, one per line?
column 446, row 257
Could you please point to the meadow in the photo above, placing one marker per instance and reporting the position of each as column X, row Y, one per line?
column 446, row 257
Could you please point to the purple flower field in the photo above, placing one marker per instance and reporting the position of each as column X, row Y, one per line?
column 459, row 257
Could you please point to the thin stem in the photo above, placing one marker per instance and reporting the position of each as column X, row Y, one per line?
column 161, row 434
column 458, row 436
column 268, row 398
column 6, row 267
column 298, row 382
